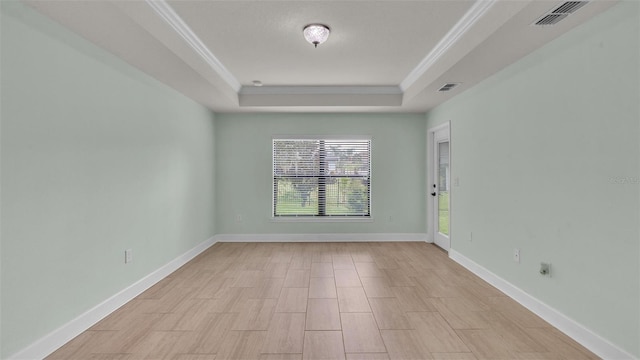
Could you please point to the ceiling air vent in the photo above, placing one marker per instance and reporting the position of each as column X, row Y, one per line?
column 551, row 19
column 569, row 7
column 560, row 12
column 448, row 86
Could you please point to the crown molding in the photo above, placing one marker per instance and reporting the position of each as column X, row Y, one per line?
column 320, row 96
column 321, row 90
column 479, row 8
column 166, row 12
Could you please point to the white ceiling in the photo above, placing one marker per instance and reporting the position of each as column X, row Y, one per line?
column 382, row 56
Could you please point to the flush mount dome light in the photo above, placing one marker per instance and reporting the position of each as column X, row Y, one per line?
column 316, row 34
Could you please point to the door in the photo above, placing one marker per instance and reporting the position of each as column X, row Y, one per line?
column 440, row 187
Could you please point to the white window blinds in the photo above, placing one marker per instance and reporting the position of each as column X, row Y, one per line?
column 321, row 177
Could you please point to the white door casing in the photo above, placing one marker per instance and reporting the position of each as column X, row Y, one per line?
column 440, row 186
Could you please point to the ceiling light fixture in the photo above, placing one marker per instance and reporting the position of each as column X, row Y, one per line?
column 316, row 34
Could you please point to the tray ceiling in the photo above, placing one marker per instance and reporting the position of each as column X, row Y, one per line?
column 381, row 56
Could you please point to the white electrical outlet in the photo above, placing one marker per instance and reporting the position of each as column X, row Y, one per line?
column 470, row 236
column 516, row 255
column 128, row 256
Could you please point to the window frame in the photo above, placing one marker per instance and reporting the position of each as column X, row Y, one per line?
column 326, row 217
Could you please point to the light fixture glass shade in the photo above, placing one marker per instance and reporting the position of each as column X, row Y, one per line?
column 316, row 34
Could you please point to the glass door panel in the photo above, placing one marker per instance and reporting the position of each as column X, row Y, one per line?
column 443, row 187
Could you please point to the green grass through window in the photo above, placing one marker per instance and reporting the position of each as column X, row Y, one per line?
column 344, row 197
column 443, row 215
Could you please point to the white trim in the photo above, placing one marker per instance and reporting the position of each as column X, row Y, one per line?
column 587, row 338
column 355, row 237
column 444, row 125
column 320, row 90
column 479, row 8
column 54, row 340
column 433, row 138
column 322, row 219
column 166, row 12
column 428, row 238
column 320, row 137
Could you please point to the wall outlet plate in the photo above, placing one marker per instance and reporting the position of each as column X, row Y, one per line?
column 128, row 256
column 516, row 255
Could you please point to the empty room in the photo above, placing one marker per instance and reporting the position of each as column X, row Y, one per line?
column 262, row 180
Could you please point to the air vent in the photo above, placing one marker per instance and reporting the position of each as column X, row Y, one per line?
column 560, row 12
column 569, row 7
column 551, row 19
column 448, row 86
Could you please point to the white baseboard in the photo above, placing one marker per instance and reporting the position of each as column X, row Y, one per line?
column 428, row 237
column 356, row 237
column 54, row 340
column 51, row 342
column 571, row 328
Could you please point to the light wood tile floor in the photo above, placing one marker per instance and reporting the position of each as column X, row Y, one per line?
column 295, row 301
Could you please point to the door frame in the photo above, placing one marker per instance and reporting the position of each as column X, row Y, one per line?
column 432, row 215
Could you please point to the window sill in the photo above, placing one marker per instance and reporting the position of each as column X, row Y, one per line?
column 327, row 219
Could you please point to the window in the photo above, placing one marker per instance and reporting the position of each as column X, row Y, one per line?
column 316, row 177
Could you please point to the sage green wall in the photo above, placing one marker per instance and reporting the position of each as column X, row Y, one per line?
column 244, row 181
column 97, row 157
column 548, row 157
